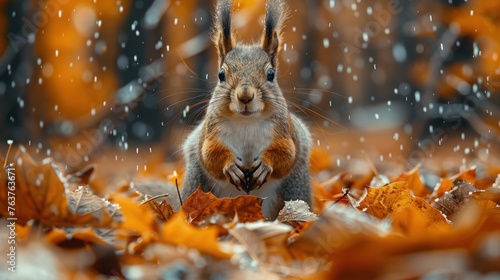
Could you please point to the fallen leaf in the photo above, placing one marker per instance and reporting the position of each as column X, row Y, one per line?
column 81, row 177
column 137, row 218
column 492, row 193
column 414, row 182
column 264, row 241
column 337, row 224
column 162, row 211
column 446, row 184
column 178, row 231
column 200, row 205
column 381, row 202
column 296, row 211
column 453, row 200
column 43, row 195
column 82, row 201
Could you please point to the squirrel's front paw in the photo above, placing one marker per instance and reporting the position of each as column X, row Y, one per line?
column 234, row 171
column 259, row 174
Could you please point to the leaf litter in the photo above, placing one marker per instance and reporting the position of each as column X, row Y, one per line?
column 362, row 227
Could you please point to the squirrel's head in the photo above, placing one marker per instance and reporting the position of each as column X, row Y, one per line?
column 248, row 73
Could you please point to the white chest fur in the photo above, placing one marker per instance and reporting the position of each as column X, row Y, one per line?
column 247, row 139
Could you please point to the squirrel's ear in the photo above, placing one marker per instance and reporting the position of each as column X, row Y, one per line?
column 223, row 35
column 271, row 39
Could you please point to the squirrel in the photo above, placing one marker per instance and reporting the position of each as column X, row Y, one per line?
column 248, row 141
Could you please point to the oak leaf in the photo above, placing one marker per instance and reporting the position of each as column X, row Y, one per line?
column 200, row 206
column 178, row 231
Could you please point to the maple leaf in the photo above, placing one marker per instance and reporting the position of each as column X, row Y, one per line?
column 178, row 231
column 44, row 196
column 138, row 226
column 200, row 205
column 137, row 218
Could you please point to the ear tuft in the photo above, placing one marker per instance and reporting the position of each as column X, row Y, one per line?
column 223, row 35
column 276, row 15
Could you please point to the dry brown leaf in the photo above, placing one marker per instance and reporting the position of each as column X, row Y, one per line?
column 453, row 200
column 43, row 195
column 200, row 206
column 446, row 184
column 296, row 211
column 162, row 211
column 82, row 201
column 414, row 182
column 178, row 231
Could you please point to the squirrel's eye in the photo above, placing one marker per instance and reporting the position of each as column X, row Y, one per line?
column 270, row 75
column 222, row 75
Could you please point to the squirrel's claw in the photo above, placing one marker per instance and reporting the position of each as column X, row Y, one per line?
column 260, row 172
column 234, row 172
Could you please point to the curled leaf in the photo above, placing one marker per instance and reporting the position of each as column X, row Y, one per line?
column 453, row 200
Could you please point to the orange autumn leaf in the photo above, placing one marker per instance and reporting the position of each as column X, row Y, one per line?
column 44, row 197
column 384, row 201
column 446, row 184
column 178, row 231
column 200, row 205
column 414, row 182
column 319, row 160
column 420, row 218
column 137, row 218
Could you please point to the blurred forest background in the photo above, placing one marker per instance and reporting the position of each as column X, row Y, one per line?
column 404, row 81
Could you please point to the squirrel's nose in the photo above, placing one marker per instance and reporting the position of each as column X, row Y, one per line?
column 245, row 95
column 245, row 99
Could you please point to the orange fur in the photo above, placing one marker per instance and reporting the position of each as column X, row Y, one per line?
column 281, row 156
column 215, row 156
